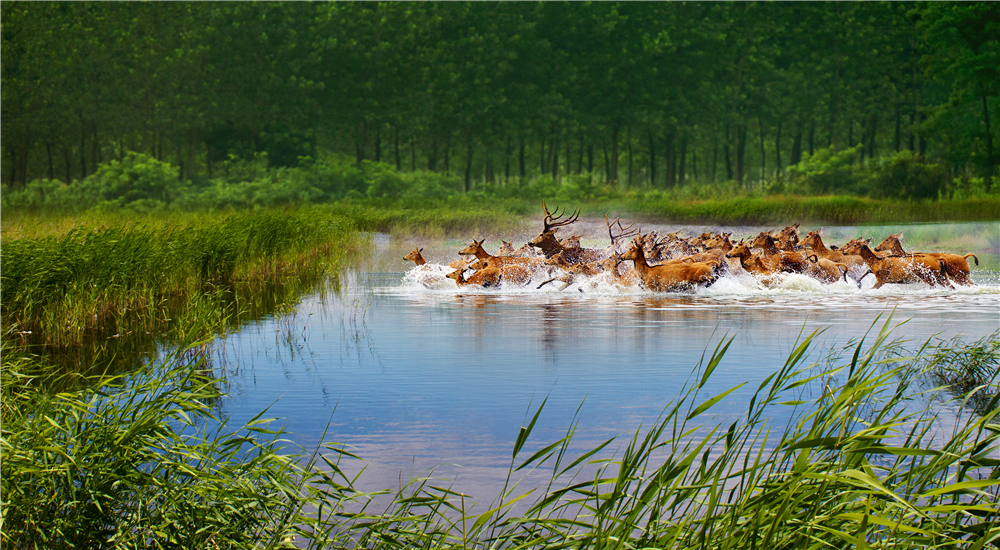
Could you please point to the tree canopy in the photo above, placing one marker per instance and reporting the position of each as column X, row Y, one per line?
column 641, row 94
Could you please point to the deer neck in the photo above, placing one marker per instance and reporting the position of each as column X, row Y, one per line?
column 640, row 261
column 818, row 245
column 550, row 245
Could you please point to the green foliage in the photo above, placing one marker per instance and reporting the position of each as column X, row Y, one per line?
column 137, row 177
column 143, row 463
column 974, row 188
column 827, row 171
column 906, row 176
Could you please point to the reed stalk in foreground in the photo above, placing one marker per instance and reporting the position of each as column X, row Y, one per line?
column 135, row 464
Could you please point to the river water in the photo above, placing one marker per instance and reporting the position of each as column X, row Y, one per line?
column 416, row 375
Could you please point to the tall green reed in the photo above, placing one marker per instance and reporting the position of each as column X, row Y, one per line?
column 144, row 463
column 209, row 268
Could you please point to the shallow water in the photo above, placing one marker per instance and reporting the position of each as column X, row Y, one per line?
column 413, row 374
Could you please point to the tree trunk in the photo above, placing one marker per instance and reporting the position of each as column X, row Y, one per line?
column 763, row 154
column 669, row 159
column 873, row 135
column 523, row 168
column 447, row 156
column 727, row 150
column 541, row 157
column 555, row 159
column 590, row 158
column 682, row 165
column 506, row 162
column 569, row 158
column 12, row 173
column 777, row 146
column 715, row 155
column 378, row 143
column 899, row 132
column 812, row 137
column 796, row 156
column 52, row 167
column 432, row 155
column 83, row 151
column 95, row 151
column 740, row 153
column 413, row 153
column 468, row 166
column 989, row 134
column 615, row 132
column 579, row 160
column 67, row 165
column 395, row 147
column 607, row 162
column 631, row 165
column 694, row 163
column 652, row 158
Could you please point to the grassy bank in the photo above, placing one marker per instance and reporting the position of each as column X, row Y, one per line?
column 105, row 278
column 143, row 464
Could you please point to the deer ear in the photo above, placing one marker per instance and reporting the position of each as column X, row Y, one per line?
column 421, row 250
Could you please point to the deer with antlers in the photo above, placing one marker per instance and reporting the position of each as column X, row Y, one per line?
column 549, row 244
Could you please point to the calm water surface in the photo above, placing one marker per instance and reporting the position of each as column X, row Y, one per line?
column 413, row 374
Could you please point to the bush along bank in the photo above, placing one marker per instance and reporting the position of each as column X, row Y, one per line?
column 827, row 187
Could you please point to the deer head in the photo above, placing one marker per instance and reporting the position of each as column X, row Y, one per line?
column 476, row 249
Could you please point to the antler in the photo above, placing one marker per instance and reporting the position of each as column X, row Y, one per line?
column 551, row 222
column 623, row 232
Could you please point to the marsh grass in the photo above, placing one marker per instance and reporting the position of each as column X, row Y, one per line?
column 170, row 276
column 144, row 463
column 968, row 370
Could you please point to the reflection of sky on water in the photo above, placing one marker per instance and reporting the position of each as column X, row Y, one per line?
column 422, row 377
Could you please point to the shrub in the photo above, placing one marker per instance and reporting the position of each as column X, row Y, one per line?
column 826, row 171
column 905, row 175
column 135, row 177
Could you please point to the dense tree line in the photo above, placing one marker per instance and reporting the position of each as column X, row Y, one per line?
column 639, row 94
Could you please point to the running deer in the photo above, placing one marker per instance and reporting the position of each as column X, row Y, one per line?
column 416, row 256
column 671, row 277
column 955, row 265
column 897, row 270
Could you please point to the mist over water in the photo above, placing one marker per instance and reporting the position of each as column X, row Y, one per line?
column 414, row 374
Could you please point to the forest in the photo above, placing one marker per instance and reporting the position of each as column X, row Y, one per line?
column 632, row 95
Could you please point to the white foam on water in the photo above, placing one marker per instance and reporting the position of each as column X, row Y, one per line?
column 431, row 277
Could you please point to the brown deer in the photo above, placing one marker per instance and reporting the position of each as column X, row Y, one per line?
column 788, row 238
column 416, row 256
column 795, row 262
column 666, row 278
column 547, row 242
column 509, row 273
column 770, row 264
column 826, row 271
column 476, row 249
column 955, row 265
column 896, row 270
column 484, row 277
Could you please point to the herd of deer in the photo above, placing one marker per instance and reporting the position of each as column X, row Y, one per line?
column 673, row 262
